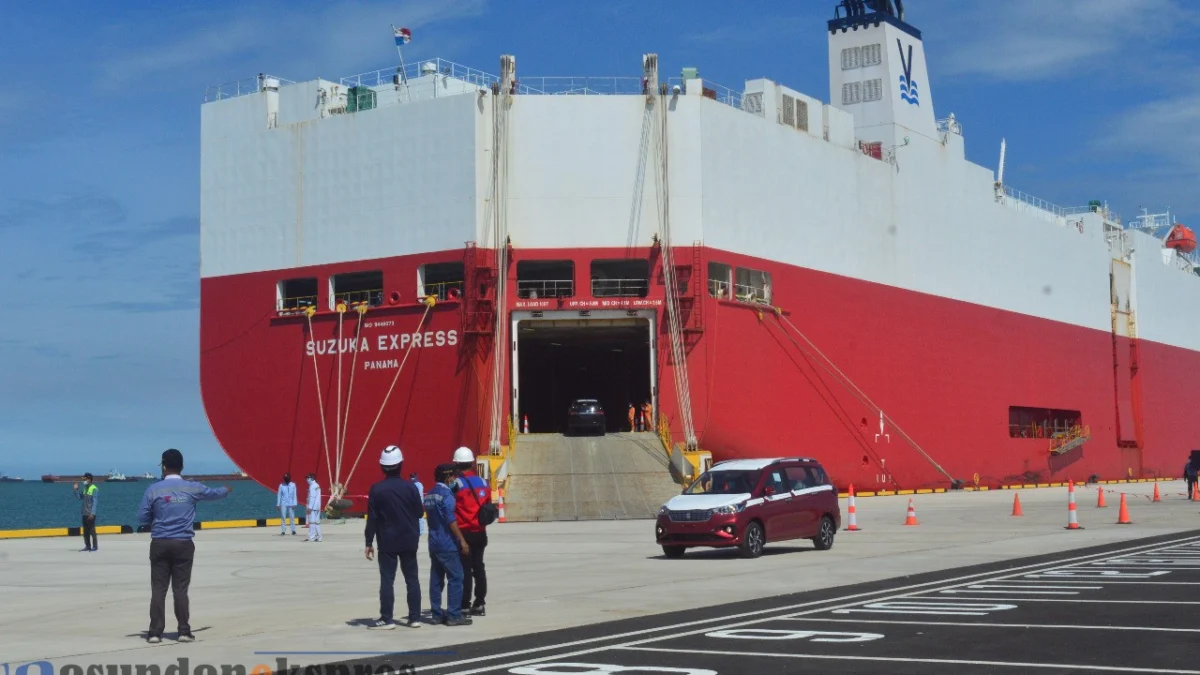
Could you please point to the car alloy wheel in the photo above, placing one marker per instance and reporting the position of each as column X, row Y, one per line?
column 753, row 541
column 824, row 538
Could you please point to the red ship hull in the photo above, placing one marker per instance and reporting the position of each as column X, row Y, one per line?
column 945, row 373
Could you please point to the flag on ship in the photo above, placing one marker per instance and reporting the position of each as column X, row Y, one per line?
column 403, row 36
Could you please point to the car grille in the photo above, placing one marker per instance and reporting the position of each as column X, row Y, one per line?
column 692, row 516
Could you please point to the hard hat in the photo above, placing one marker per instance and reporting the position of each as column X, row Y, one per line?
column 391, row 456
column 464, row 456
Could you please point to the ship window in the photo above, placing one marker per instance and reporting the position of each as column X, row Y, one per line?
column 546, row 279
column 851, row 93
column 292, row 295
column 851, row 58
column 442, row 280
column 872, row 90
column 1025, row 422
column 872, row 55
column 802, row 114
column 720, row 279
column 752, row 285
column 620, row 278
column 356, row 288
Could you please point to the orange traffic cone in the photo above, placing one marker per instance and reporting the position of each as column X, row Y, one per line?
column 1072, row 517
column 912, row 513
column 1017, row 505
column 527, row 424
column 501, row 519
column 1123, row 516
column 1156, row 497
column 1100, row 503
column 853, row 523
column 1196, row 492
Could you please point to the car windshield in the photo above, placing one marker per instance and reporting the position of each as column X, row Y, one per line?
column 723, row 482
column 587, row 406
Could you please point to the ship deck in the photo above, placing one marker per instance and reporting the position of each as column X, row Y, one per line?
column 257, row 596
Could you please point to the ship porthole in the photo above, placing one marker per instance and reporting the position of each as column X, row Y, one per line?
column 394, row 298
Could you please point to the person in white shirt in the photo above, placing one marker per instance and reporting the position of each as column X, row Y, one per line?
column 314, row 508
column 421, row 489
column 286, row 501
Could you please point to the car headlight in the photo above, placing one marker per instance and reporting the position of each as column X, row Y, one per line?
column 730, row 509
column 663, row 510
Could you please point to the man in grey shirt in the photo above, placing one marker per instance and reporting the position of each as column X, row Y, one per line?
column 89, row 499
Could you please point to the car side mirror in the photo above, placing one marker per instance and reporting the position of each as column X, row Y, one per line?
column 769, row 491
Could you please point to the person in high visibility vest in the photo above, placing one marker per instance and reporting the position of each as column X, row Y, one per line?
column 89, row 499
column 647, row 416
column 632, row 418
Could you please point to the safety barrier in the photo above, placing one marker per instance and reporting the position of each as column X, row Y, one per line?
column 129, row 529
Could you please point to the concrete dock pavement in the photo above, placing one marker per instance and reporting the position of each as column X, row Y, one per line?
column 254, row 591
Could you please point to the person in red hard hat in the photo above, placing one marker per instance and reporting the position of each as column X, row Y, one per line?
column 474, row 511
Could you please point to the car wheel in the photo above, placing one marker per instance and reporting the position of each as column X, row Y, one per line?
column 673, row 551
column 753, row 541
column 824, row 539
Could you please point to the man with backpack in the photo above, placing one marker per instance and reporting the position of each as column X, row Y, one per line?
column 474, row 511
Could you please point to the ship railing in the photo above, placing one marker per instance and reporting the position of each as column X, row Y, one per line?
column 717, row 92
column 617, row 288
column 297, row 304
column 569, row 85
column 248, row 85
column 1023, row 202
column 755, row 294
column 949, row 125
column 371, row 298
column 413, row 71
column 441, row 289
column 721, row 289
column 545, row 288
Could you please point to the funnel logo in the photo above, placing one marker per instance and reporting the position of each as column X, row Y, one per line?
column 908, row 86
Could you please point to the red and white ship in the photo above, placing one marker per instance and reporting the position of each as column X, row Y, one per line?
column 776, row 275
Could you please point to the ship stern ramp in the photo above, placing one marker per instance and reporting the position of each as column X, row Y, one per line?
column 618, row 476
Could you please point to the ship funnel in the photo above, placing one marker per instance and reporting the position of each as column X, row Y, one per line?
column 877, row 71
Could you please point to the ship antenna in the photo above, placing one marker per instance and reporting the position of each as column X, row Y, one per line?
column 1000, row 172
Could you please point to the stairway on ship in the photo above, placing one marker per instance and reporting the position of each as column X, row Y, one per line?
column 618, row 476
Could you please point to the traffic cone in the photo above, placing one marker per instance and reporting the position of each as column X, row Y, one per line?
column 1100, row 503
column 501, row 519
column 1072, row 517
column 912, row 514
column 1017, row 505
column 850, row 510
column 1196, row 492
column 1123, row 516
column 527, row 424
column 1157, row 498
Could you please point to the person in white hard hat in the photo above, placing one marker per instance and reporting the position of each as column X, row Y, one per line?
column 394, row 511
column 474, row 511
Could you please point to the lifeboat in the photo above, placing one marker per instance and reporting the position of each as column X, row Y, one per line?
column 1181, row 239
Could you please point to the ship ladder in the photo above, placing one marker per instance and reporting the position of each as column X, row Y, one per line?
column 831, row 368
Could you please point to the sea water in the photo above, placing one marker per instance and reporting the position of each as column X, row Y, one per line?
column 34, row 504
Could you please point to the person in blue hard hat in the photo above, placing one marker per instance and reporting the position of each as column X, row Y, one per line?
column 168, row 508
column 394, row 510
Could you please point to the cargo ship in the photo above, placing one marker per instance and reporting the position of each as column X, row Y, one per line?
column 431, row 255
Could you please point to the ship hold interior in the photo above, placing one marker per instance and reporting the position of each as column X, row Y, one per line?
column 563, row 359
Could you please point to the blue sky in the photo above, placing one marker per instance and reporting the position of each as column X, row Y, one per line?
column 99, row 152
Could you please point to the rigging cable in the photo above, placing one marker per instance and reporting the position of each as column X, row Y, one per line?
column 341, row 443
column 320, row 404
column 682, row 386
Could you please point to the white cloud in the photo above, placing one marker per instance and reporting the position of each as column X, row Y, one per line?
column 1020, row 40
column 304, row 39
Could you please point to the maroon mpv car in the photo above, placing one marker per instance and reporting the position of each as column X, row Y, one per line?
column 748, row 502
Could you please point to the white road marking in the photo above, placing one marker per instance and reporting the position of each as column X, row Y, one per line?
column 968, row 624
column 782, row 612
column 894, row 659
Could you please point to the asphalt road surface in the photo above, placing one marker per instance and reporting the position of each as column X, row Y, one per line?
column 1132, row 607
